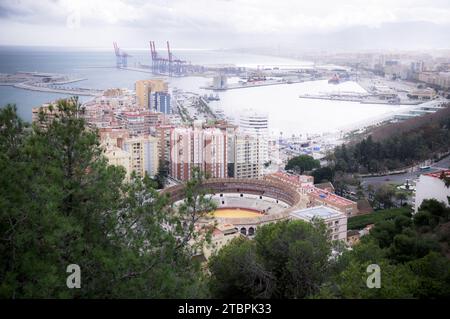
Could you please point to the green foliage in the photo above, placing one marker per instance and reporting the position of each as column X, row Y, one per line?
column 163, row 172
column 359, row 222
column 323, row 174
column 383, row 197
column 396, row 282
column 409, row 246
column 395, row 151
column 411, row 259
column 401, row 196
column 433, row 274
column 302, row 163
column 238, row 272
column 288, row 259
column 61, row 204
column 431, row 213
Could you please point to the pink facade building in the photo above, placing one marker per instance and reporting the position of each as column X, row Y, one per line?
column 198, row 147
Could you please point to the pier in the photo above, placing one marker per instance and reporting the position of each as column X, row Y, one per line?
column 361, row 98
column 46, row 82
column 250, row 85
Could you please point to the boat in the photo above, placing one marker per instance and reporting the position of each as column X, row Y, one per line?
column 213, row 98
column 334, row 79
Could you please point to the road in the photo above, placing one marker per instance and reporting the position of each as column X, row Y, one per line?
column 377, row 181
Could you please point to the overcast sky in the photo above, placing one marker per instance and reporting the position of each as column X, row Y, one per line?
column 323, row 24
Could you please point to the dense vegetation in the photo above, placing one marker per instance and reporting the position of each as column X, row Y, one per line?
column 287, row 259
column 360, row 221
column 412, row 253
column 302, row 163
column 397, row 150
column 293, row 260
column 61, row 204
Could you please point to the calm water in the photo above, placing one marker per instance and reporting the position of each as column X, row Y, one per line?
column 287, row 113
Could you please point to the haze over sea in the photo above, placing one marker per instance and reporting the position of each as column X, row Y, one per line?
column 287, row 112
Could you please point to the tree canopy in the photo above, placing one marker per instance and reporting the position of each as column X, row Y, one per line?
column 288, row 259
column 302, row 163
column 61, row 203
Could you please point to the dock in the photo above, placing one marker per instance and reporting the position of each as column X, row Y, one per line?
column 360, row 98
column 46, row 82
column 250, row 85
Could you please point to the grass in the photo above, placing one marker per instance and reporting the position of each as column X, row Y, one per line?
column 359, row 222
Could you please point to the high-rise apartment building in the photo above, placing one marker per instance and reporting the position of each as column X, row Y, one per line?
column 140, row 122
column 144, row 154
column 162, row 102
column 251, row 145
column 246, row 163
column 230, row 131
column 163, row 135
column 119, row 157
column 205, row 148
column 153, row 95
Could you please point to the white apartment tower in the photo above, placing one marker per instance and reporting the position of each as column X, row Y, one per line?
column 251, row 146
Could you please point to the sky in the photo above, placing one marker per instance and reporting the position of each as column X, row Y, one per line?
column 206, row 24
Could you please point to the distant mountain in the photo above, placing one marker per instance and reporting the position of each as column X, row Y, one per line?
column 388, row 36
column 401, row 36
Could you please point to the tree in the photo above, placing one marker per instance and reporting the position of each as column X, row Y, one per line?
column 401, row 196
column 412, row 259
column 323, row 174
column 238, row 272
column 341, row 182
column 267, row 164
column 302, row 163
column 433, row 274
column 288, row 259
column 396, row 282
column 360, row 191
column 163, row 172
column 196, row 206
column 383, row 197
column 432, row 212
column 67, row 205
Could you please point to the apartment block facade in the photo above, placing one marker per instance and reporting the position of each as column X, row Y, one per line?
column 205, row 148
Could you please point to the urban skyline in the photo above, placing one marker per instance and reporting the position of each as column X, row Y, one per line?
column 225, row 150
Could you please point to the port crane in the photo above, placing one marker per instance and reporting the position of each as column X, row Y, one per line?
column 170, row 65
column 121, row 56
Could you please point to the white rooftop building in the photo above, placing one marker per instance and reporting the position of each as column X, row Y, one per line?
column 252, row 144
column 335, row 221
column 432, row 186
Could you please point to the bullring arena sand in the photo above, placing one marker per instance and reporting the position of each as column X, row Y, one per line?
column 235, row 213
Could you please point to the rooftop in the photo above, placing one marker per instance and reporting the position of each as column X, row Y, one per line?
column 438, row 174
column 293, row 178
column 330, row 197
column 321, row 212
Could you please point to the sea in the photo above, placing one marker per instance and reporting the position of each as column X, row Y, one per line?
column 288, row 114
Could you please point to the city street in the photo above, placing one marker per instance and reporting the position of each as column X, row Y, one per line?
column 377, row 181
